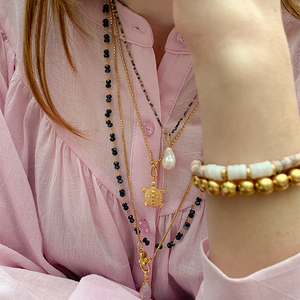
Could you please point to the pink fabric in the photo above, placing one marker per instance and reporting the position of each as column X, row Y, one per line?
column 63, row 233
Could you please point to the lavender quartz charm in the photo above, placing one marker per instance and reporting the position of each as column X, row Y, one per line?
column 145, row 291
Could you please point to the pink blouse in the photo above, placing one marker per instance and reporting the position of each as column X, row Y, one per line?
column 63, row 231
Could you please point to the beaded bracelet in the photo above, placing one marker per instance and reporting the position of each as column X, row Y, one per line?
column 241, row 172
column 262, row 178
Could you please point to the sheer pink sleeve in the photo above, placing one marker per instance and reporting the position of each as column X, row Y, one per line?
column 24, row 271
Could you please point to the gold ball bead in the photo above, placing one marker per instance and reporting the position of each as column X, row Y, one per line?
column 294, row 177
column 246, row 188
column 264, row 186
column 213, row 188
column 196, row 181
column 281, row 182
column 228, row 189
column 203, row 184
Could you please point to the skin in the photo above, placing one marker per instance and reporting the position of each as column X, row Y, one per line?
column 243, row 71
column 159, row 14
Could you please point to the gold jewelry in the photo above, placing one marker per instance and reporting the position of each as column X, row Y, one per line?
column 263, row 186
column 153, row 196
column 144, row 259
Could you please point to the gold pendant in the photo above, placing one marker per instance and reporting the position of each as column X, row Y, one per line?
column 144, row 261
column 153, row 196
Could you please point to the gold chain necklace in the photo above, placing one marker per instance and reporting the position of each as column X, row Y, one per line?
column 144, row 259
column 153, row 196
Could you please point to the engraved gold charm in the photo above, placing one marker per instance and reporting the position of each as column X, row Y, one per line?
column 153, row 196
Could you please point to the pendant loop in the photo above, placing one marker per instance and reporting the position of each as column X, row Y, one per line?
column 169, row 139
column 153, row 167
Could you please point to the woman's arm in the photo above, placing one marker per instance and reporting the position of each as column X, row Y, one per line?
column 249, row 114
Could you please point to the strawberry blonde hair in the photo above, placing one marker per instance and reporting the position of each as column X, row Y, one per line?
column 38, row 13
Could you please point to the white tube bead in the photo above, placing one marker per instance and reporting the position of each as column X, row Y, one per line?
column 278, row 165
column 237, row 172
column 214, row 172
column 263, row 169
column 298, row 158
column 194, row 165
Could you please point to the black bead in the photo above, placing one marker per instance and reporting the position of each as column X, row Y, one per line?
column 108, row 99
column 122, row 193
column 116, row 164
column 170, row 245
column 186, row 225
column 106, row 40
column 147, row 243
column 125, row 206
column 109, row 123
column 131, row 219
column 120, row 181
column 112, row 137
column 156, row 246
column 191, row 215
column 108, row 96
column 179, row 236
column 108, row 83
column 106, row 53
column 106, row 36
column 107, row 68
column 198, row 201
column 135, row 229
column 108, row 112
column 145, row 240
column 105, row 8
column 105, row 23
column 114, row 151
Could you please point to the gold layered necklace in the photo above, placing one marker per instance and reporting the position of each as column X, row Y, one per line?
column 144, row 259
column 153, row 196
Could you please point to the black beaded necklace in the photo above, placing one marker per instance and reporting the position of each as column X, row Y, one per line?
column 116, row 164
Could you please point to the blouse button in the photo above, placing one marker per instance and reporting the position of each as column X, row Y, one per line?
column 149, row 128
column 180, row 39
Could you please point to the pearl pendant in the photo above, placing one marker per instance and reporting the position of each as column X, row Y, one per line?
column 169, row 159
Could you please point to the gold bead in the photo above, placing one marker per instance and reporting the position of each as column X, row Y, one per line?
column 248, row 173
column 281, row 182
column 246, row 188
column 228, row 189
column 224, row 174
column 203, row 184
column 213, row 188
column 264, row 186
column 294, row 177
column 274, row 169
column 196, row 181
